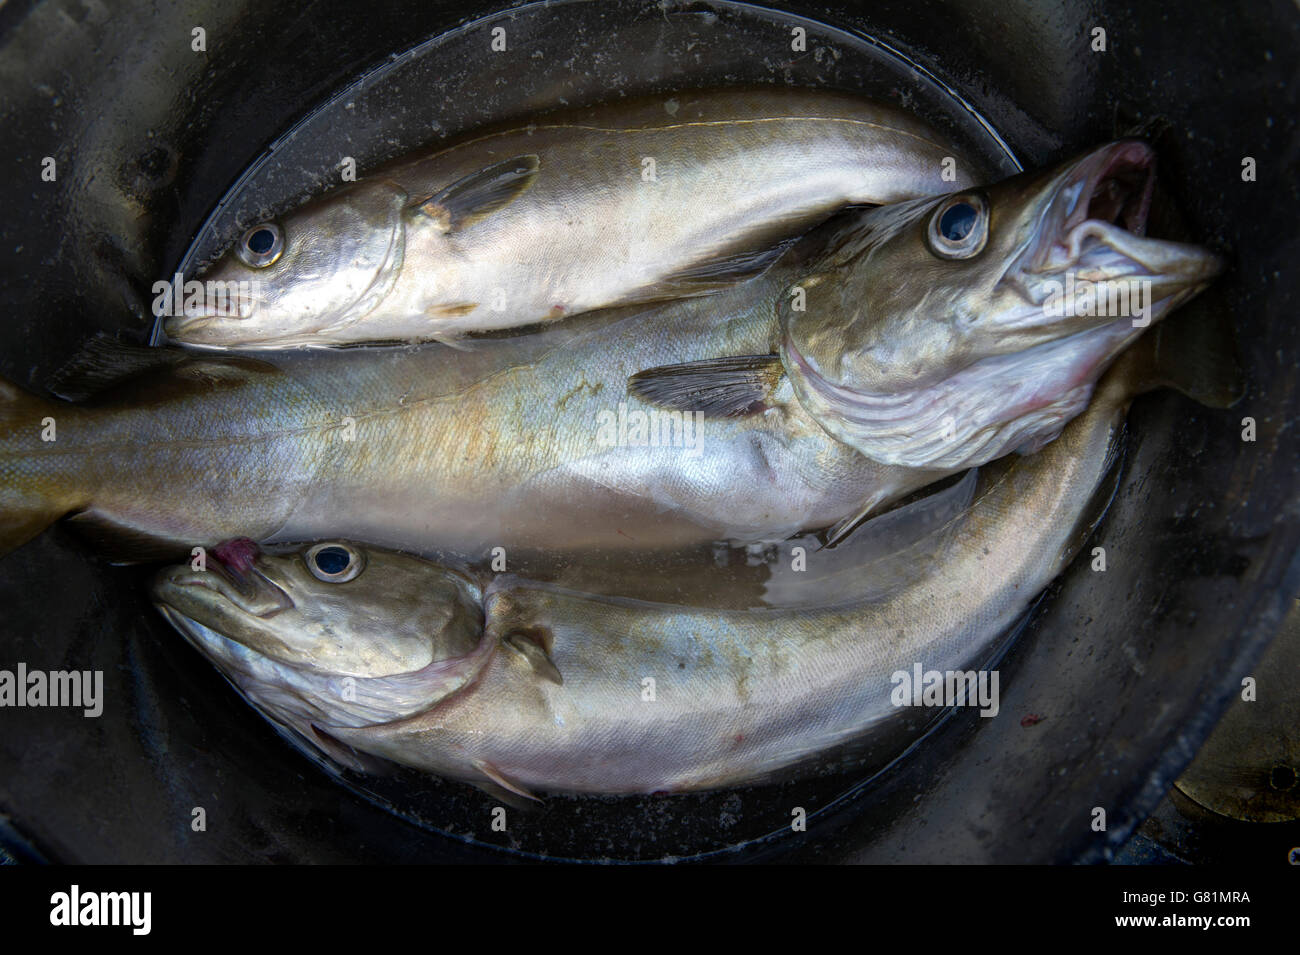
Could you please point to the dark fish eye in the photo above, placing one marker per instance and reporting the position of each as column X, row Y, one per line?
column 261, row 245
column 959, row 227
column 260, row 241
column 957, row 221
column 334, row 563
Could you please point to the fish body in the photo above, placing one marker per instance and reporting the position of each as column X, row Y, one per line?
column 869, row 362
column 528, row 442
column 619, row 204
column 566, row 692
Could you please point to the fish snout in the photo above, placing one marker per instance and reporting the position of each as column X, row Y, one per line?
column 227, row 574
column 1091, row 260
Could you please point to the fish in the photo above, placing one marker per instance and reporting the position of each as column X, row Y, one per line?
column 566, row 692
column 536, row 221
column 945, row 332
column 527, row 444
column 924, row 350
column 646, row 427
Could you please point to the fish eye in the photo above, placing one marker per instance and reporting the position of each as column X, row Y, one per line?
column 959, row 227
column 334, row 563
column 261, row 245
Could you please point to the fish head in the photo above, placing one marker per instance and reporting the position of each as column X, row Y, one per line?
column 329, row 635
column 296, row 281
column 948, row 331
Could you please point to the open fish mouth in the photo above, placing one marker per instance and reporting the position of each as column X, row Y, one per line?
column 1103, row 198
column 1094, row 227
column 1111, row 186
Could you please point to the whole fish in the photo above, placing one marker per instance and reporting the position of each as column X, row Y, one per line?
column 630, row 202
column 553, row 697
column 532, row 442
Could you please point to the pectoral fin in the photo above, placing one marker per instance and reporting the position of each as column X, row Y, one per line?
column 105, row 361
column 334, row 750
column 479, row 194
column 716, row 387
column 716, row 274
column 533, row 649
column 120, row 543
column 839, row 531
column 499, row 779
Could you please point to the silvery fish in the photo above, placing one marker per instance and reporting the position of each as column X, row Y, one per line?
column 944, row 332
column 527, row 444
column 533, row 442
column 624, row 203
column 545, row 689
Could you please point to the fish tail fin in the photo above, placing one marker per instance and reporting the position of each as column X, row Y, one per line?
column 1194, row 352
column 29, row 499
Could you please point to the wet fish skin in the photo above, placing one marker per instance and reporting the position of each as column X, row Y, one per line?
column 741, row 698
column 918, row 356
column 548, row 219
column 463, row 451
column 435, row 449
column 551, row 699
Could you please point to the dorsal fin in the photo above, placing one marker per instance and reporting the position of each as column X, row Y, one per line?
column 531, row 644
column 718, row 273
column 499, row 779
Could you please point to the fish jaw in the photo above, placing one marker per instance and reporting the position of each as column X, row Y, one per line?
column 998, row 350
column 342, row 258
column 1092, row 231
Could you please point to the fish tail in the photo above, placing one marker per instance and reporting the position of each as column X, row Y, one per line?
column 1193, row 352
column 30, row 494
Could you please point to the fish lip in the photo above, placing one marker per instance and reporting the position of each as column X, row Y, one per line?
column 250, row 592
column 210, row 316
column 200, row 329
column 1164, row 262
